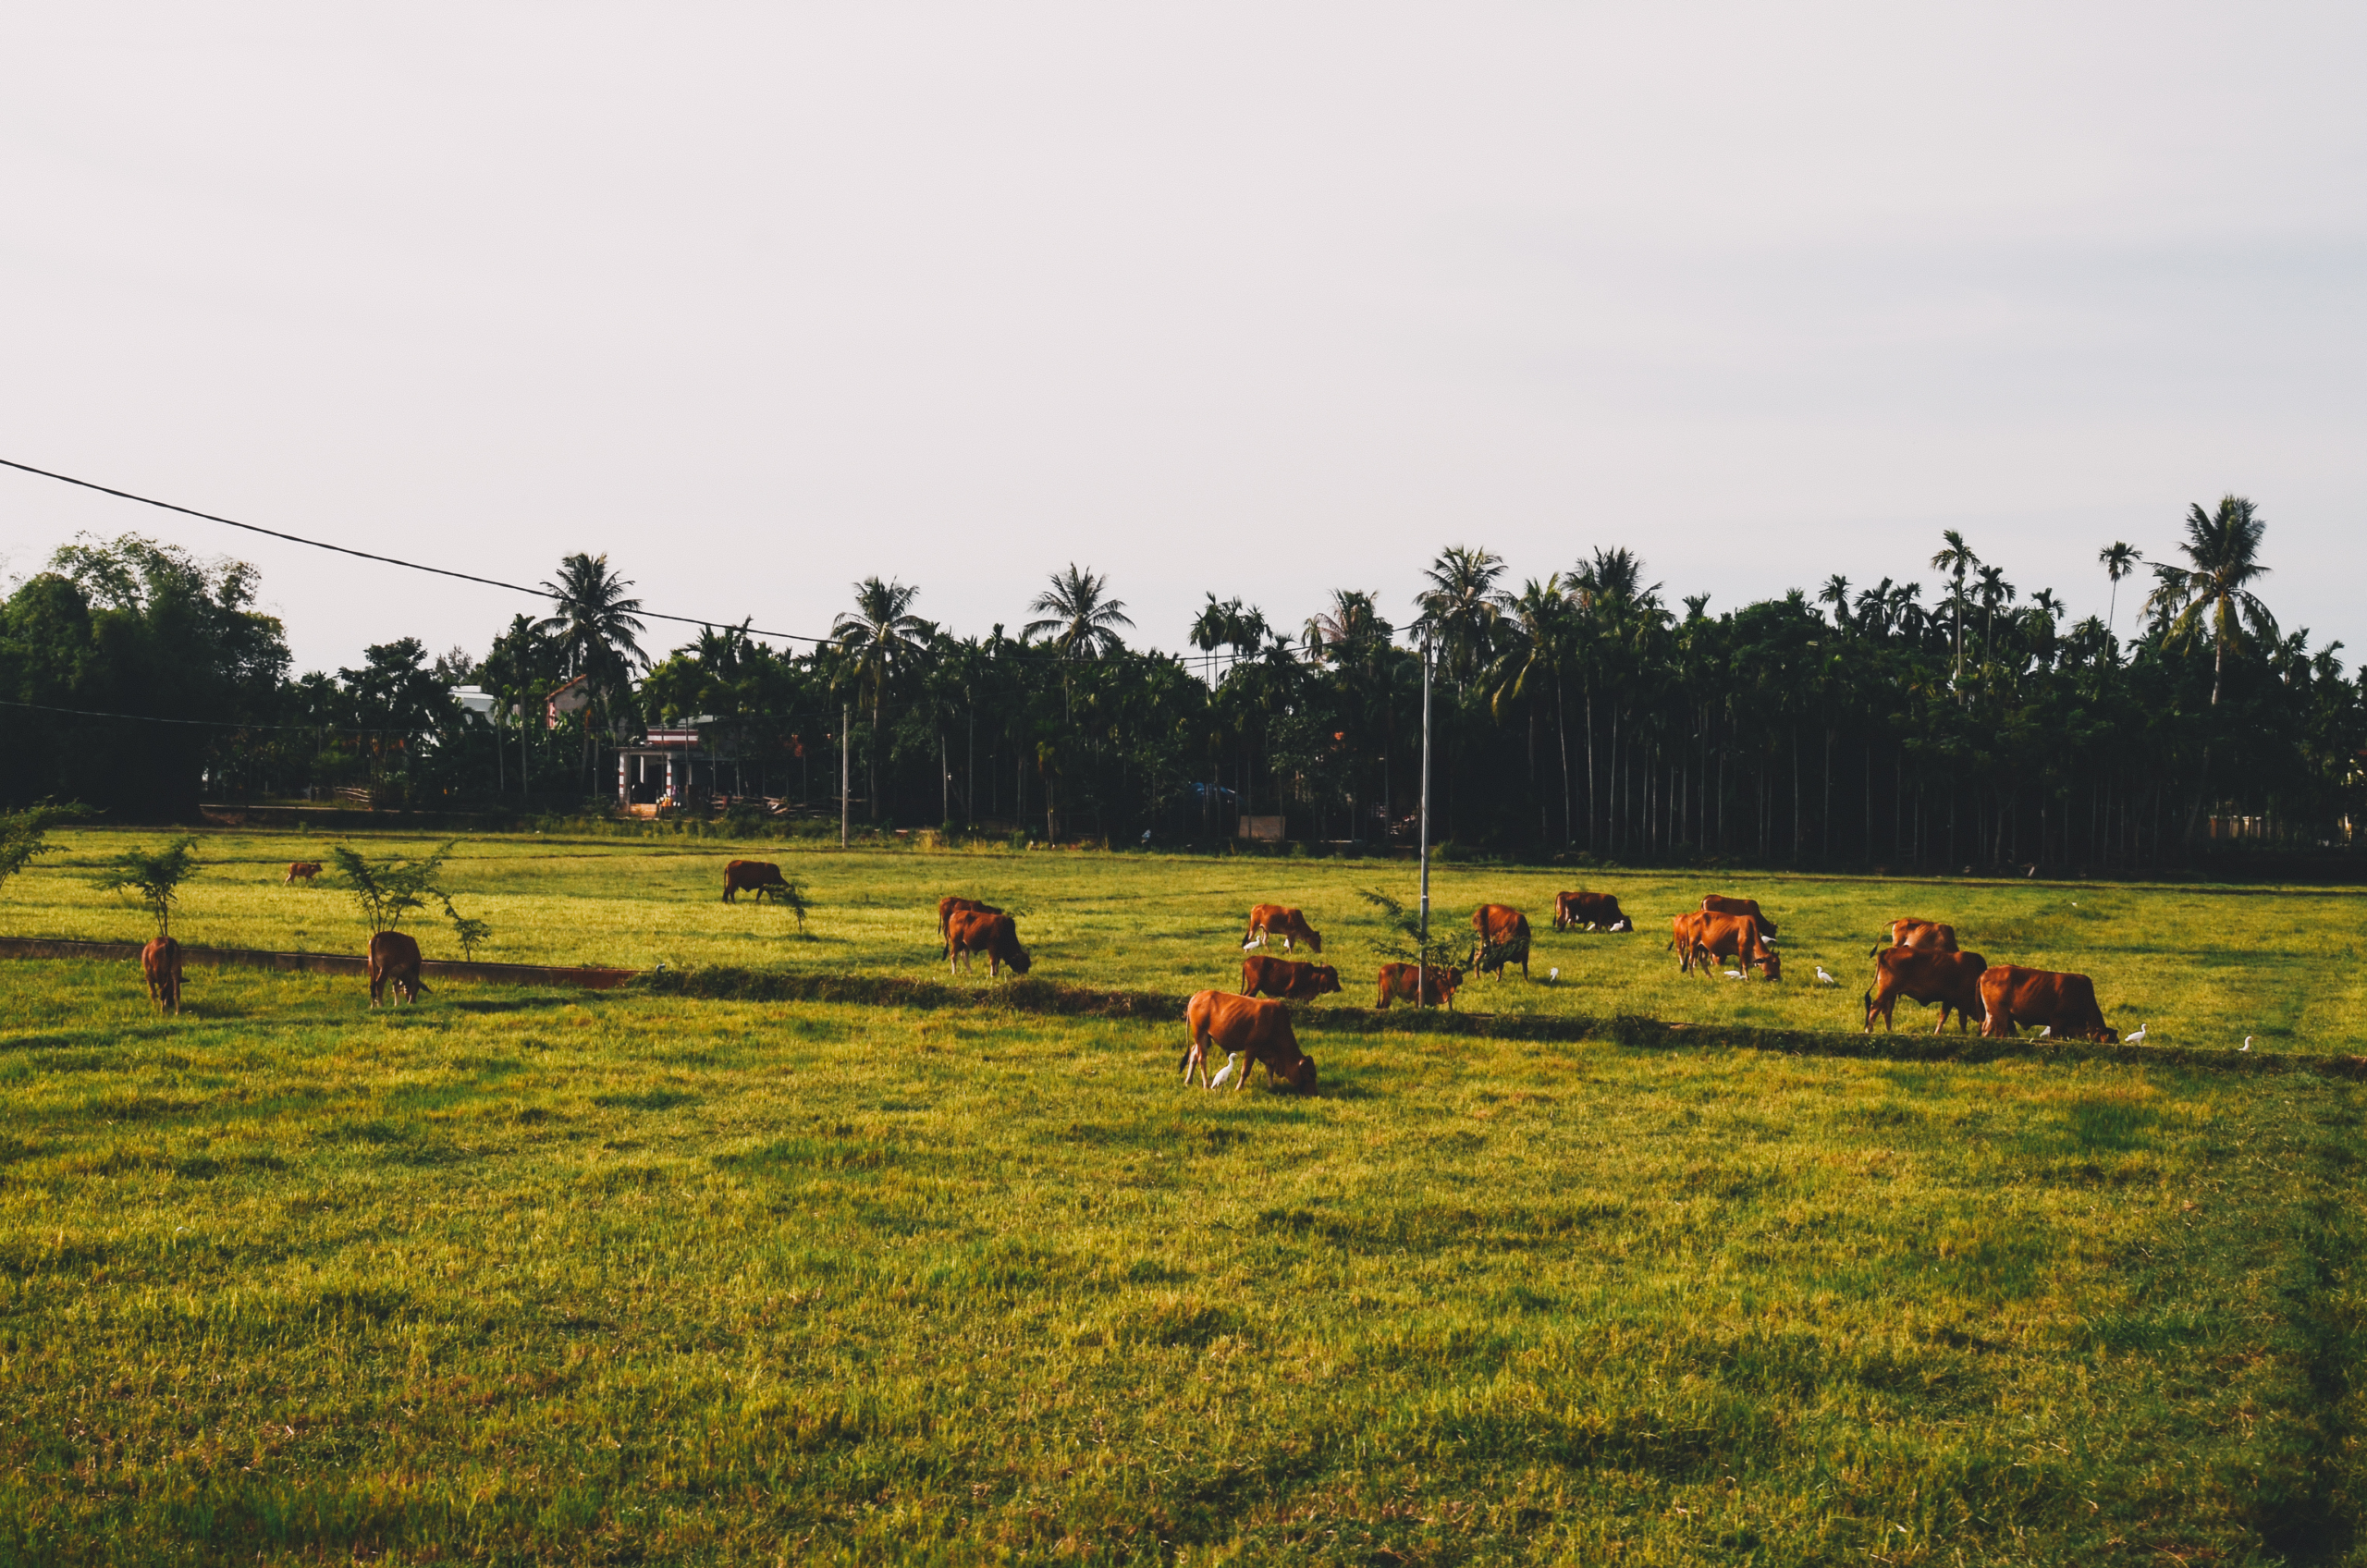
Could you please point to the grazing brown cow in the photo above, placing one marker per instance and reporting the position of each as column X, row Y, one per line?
column 1717, row 903
column 1704, row 937
column 757, row 876
column 1418, row 986
column 993, row 934
column 1234, row 1025
column 1926, row 976
column 1273, row 920
column 1503, row 938
column 394, row 961
column 1909, row 932
column 300, row 871
column 948, row 907
column 1290, row 982
column 2064, row 1005
column 1598, row 910
column 160, row 961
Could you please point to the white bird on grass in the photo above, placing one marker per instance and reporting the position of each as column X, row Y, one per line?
column 1552, row 975
column 2136, row 1035
column 1824, row 979
column 1224, row 1074
column 2248, row 1042
column 1733, row 974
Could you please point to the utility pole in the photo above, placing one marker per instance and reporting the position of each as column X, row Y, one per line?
column 1422, row 960
column 846, row 773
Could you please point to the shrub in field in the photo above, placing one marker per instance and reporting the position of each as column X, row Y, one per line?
column 23, row 834
column 1406, row 943
column 390, row 888
column 155, row 879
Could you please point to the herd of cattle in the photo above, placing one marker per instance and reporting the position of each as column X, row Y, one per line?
column 1920, row 962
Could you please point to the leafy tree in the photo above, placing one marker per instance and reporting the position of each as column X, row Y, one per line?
column 154, row 878
column 22, row 834
column 389, row 889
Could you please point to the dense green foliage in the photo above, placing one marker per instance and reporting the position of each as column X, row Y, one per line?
column 1576, row 713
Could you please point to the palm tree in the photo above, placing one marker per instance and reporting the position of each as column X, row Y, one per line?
column 595, row 628
column 2224, row 547
column 878, row 639
column 2119, row 560
column 1082, row 623
column 1461, row 606
column 1993, row 591
column 1541, row 613
column 1835, row 592
column 1956, row 557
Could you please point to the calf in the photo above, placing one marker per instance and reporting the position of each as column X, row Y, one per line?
column 160, row 961
column 1503, row 938
column 948, row 907
column 394, row 961
column 1418, row 985
column 1281, row 978
column 1717, row 903
column 1925, row 975
column 757, row 876
column 300, row 871
column 1598, row 910
column 1267, row 920
column 993, row 934
column 1234, row 1025
column 2064, row 1005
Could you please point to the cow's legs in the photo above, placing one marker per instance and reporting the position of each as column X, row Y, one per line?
column 1243, row 1082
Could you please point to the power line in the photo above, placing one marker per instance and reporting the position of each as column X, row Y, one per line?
column 205, row 723
column 388, row 560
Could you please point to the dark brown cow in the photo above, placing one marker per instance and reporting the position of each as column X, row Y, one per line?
column 1737, row 937
column 1925, row 975
column 300, row 871
column 394, row 961
column 1909, row 932
column 1503, row 938
column 1290, row 982
column 1418, row 986
column 160, row 961
column 757, row 876
column 993, row 934
column 2064, row 1005
column 1717, row 903
column 1273, row 920
column 1598, row 910
column 947, row 908
column 1234, row 1025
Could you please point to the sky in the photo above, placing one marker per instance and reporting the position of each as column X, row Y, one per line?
column 1259, row 300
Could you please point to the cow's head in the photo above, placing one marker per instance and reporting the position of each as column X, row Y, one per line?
column 1771, row 963
column 1314, row 938
column 1017, row 958
column 1300, row 1075
column 1327, row 979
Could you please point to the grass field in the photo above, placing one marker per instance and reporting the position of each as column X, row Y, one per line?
column 518, row 1276
column 2200, row 967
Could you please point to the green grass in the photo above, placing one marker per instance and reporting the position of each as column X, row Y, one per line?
column 2198, row 967
column 524, row 1278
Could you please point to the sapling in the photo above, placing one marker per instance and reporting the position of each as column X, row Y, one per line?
column 155, row 878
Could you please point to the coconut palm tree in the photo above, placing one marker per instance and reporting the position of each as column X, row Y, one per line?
column 879, row 638
column 1081, row 622
column 594, row 627
column 2119, row 560
column 1835, row 592
column 1956, row 557
column 2223, row 550
column 1461, row 606
column 1993, row 591
column 1544, row 632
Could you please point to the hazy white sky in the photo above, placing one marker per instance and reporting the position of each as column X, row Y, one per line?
column 1264, row 300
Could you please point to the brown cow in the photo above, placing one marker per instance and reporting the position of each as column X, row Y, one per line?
column 2064, row 1005
column 1503, row 938
column 757, row 876
column 1290, row 982
column 1737, row 937
column 1909, row 932
column 1420, row 987
column 1598, row 910
column 394, row 961
column 948, row 907
column 1925, row 975
column 1234, row 1025
column 1717, row 903
column 1267, row 920
column 300, row 871
column 993, row 934
column 160, row 961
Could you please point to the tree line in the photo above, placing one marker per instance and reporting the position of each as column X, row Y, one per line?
column 1581, row 713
